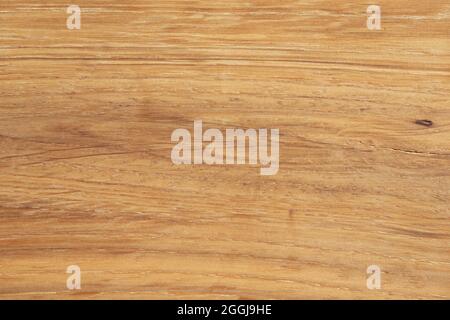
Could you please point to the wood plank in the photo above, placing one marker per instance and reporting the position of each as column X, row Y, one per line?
column 86, row 176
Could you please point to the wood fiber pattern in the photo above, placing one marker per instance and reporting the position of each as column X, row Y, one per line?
column 86, row 176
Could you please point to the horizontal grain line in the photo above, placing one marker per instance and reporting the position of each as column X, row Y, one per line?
column 54, row 150
column 224, row 59
column 83, row 156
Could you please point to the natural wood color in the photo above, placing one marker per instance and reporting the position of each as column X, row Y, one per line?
column 86, row 176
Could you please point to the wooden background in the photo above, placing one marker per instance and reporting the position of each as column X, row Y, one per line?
column 86, row 176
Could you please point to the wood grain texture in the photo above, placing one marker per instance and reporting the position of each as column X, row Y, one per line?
column 86, row 176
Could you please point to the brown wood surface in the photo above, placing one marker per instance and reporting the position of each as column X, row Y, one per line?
column 86, row 176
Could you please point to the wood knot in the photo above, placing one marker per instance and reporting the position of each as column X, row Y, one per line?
column 426, row 123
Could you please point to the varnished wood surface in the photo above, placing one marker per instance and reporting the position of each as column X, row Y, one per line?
column 86, row 176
